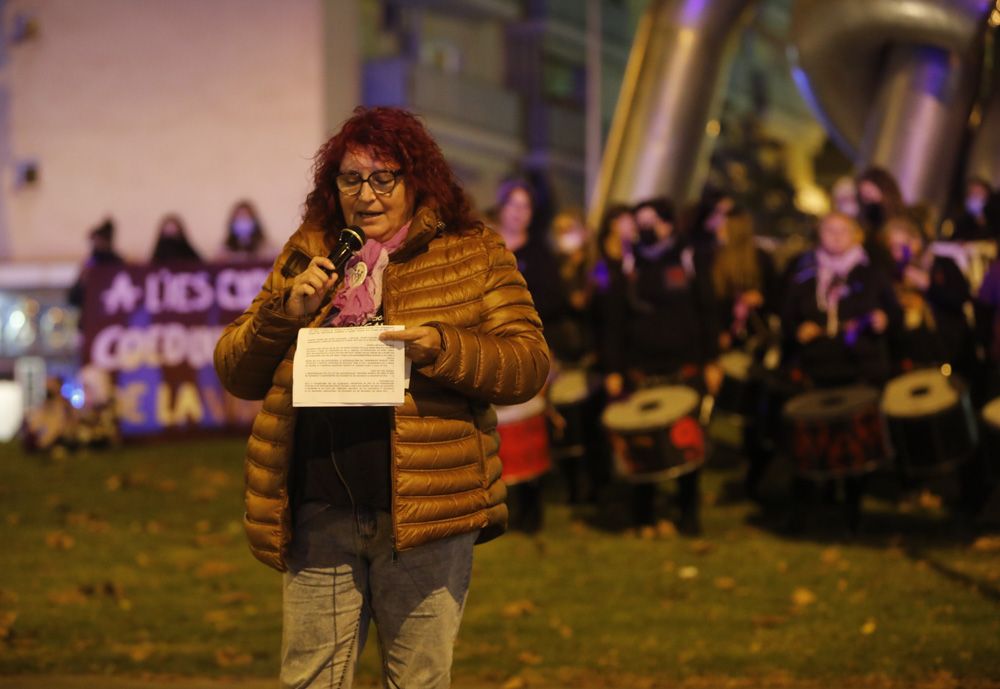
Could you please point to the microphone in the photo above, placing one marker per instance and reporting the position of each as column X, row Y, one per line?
column 351, row 239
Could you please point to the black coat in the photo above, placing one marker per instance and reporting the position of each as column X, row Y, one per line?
column 840, row 359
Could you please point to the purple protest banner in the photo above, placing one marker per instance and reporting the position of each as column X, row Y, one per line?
column 154, row 329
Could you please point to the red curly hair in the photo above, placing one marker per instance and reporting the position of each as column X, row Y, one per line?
column 396, row 135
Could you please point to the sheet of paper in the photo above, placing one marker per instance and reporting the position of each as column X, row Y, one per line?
column 341, row 367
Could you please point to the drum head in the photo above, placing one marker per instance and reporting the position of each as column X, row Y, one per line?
column 651, row 408
column 832, row 403
column 991, row 414
column 736, row 364
column 920, row 393
column 513, row 413
column 569, row 387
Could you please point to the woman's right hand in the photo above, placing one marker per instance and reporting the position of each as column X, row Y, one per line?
column 310, row 286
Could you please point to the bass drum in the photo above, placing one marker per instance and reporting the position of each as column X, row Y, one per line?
column 733, row 408
column 835, row 433
column 655, row 434
column 569, row 394
column 931, row 424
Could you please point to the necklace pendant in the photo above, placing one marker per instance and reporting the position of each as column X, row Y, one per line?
column 357, row 274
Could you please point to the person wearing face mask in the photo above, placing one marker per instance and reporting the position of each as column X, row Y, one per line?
column 879, row 199
column 662, row 334
column 933, row 294
column 371, row 512
column 971, row 224
column 245, row 238
column 102, row 253
column 172, row 243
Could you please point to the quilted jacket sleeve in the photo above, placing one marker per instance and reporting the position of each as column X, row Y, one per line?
column 505, row 360
column 253, row 345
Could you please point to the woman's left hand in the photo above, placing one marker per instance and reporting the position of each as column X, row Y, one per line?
column 422, row 343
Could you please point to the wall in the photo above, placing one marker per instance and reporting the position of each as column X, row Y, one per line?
column 135, row 109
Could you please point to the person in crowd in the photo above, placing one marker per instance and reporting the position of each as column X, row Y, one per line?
column 879, row 199
column 245, row 237
column 660, row 334
column 172, row 243
column 744, row 282
column 838, row 310
column 745, row 287
column 616, row 238
column 845, row 197
column 609, row 276
column 102, row 253
column 988, row 312
column 50, row 426
column 933, row 294
column 707, row 217
column 372, row 512
column 526, row 454
column 971, row 223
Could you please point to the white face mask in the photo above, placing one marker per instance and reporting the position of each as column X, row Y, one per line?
column 974, row 205
column 243, row 227
column 569, row 242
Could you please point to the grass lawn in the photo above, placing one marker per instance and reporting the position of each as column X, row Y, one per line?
column 134, row 561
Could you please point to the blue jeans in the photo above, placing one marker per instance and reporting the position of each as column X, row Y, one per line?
column 342, row 575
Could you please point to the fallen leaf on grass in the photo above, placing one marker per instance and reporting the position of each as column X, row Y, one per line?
column 140, row 652
column 167, row 485
column 666, row 529
column 529, row 658
column 803, row 597
column 6, row 622
column 841, row 585
column 688, row 572
column 868, row 628
column 143, row 560
column 518, row 608
column 7, row 598
column 701, row 547
column 769, row 620
column 88, row 521
column 986, row 544
column 59, row 540
column 829, row 555
column 930, row 501
column 212, row 540
column 214, row 568
column 221, row 620
column 725, row 583
column 70, row 596
column 13, row 519
column 205, row 494
column 234, row 597
column 515, row 683
column 232, row 657
column 154, row 527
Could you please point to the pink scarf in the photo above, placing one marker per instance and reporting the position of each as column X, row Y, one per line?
column 361, row 296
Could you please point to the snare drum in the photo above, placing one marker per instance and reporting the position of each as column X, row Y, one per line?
column 524, row 440
column 835, row 433
column 569, row 393
column 734, row 404
column 930, row 421
column 655, row 434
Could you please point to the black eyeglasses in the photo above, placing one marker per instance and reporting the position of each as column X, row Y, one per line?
column 381, row 182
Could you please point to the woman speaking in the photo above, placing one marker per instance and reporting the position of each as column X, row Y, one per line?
column 372, row 512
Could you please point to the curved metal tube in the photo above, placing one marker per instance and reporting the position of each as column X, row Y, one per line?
column 984, row 153
column 670, row 90
column 893, row 81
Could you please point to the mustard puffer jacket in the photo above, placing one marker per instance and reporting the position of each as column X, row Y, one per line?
column 444, row 464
